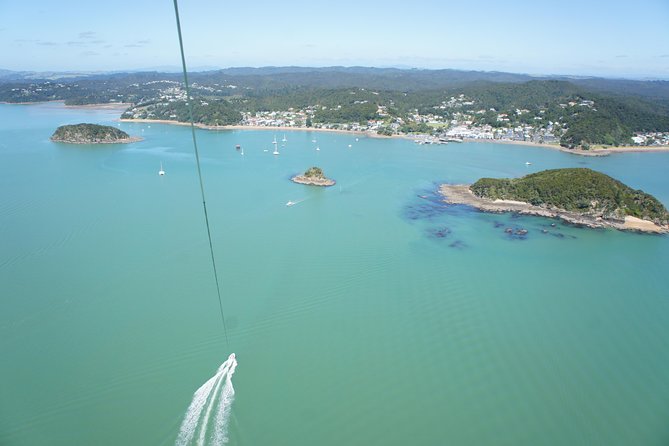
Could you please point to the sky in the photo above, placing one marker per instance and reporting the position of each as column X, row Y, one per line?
column 586, row 37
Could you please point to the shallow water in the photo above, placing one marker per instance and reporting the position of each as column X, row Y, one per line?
column 364, row 314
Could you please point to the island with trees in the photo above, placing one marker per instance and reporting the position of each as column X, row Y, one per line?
column 313, row 176
column 91, row 134
column 576, row 195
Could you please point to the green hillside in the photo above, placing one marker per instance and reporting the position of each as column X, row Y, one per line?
column 578, row 190
column 88, row 133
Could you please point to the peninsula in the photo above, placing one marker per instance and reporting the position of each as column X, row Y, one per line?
column 91, row 134
column 576, row 195
column 314, row 176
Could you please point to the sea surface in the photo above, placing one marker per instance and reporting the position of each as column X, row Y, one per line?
column 369, row 313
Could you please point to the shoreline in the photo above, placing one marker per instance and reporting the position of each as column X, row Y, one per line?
column 597, row 150
column 107, row 106
column 461, row 194
column 322, row 182
column 102, row 106
column 120, row 141
column 600, row 151
column 258, row 127
column 592, row 152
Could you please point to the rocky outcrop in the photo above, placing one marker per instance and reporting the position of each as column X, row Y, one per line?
column 313, row 177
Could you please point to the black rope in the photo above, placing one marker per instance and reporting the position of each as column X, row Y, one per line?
column 189, row 100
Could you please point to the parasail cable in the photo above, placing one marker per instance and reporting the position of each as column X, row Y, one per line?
column 189, row 101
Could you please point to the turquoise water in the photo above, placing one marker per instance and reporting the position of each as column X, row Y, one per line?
column 362, row 315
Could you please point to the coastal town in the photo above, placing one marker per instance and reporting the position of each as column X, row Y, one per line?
column 454, row 120
column 437, row 118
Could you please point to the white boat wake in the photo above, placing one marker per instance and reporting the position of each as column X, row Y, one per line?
column 293, row 203
column 216, row 392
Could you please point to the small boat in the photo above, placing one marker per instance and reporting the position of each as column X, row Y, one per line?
column 276, row 147
column 356, row 140
column 242, row 152
column 349, row 146
column 284, row 138
column 527, row 163
column 313, row 140
column 265, row 150
column 238, row 147
column 424, row 197
column 291, row 203
column 161, row 172
column 318, row 149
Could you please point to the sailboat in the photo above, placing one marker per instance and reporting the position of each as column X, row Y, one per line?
column 276, row 147
column 161, row 172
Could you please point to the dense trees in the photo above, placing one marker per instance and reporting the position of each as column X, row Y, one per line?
column 344, row 95
column 576, row 189
column 350, row 112
column 214, row 112
column 314, row 172
column 88, row 133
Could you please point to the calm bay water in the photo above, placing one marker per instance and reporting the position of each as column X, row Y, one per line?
column 364, row 314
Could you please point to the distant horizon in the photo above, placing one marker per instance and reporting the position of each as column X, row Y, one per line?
column 613, row 39
column 201, row 69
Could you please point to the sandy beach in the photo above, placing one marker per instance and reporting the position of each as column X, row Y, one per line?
column 461, row 194
column 595, row 151
column 276, row 129
column 592, row 152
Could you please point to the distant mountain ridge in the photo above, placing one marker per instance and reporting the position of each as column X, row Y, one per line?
column 397, row 79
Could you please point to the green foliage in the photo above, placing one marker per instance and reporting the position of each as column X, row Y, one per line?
column 590, row 127
column 415, row 127
column 88, row 133
column 349, row 112
column 613, row 122
column 576, row 189
column 314, row 172
column 385, row 131
column 345, row 95
column 531, row 94
column 211, row 112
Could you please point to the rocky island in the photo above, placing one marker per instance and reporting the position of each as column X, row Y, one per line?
column 91, row 134
column 576, row 195
column 314, row 176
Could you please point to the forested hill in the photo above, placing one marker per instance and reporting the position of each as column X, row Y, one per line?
column 579, row 190
column 575, row 112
